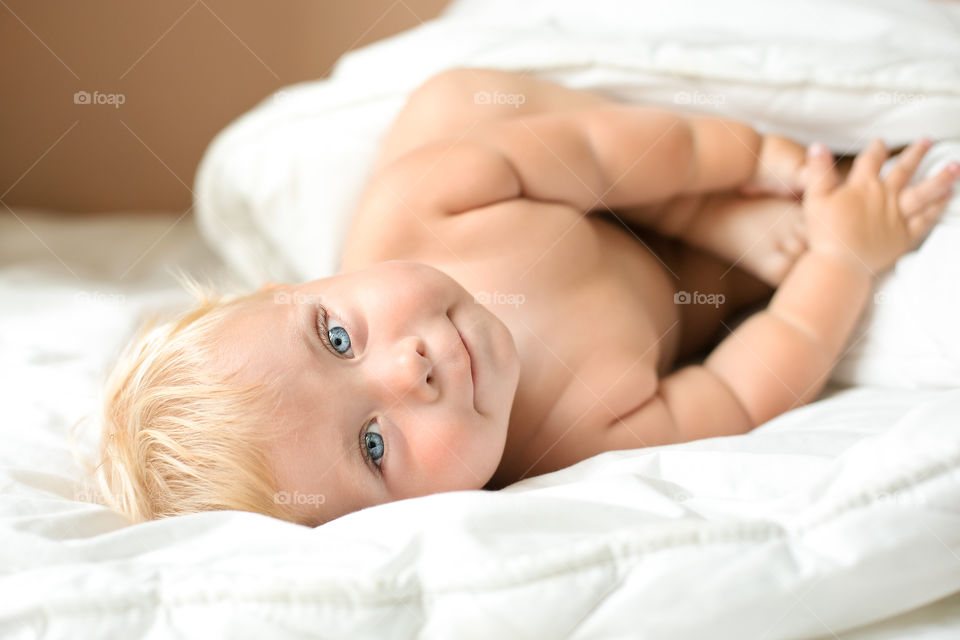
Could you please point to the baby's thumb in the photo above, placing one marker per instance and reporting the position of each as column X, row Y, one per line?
column 821, row 174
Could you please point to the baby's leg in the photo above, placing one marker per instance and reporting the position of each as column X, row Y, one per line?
column 457, row 100
column 762, row 235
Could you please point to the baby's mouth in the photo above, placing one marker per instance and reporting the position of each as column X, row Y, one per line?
column 473, row 373
column 471, row 362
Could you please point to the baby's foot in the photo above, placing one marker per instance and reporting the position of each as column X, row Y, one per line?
column 763, row 236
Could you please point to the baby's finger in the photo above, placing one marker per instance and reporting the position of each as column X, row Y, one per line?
column 867, row 164
column 820, row 172
column 920, row 224
column 907, row 164
column 918, row 196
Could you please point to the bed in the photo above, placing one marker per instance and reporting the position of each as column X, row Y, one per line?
column 838, row 519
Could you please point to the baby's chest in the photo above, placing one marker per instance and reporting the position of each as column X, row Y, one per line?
column 576, row 285
column 608, row 349
column 591, row 311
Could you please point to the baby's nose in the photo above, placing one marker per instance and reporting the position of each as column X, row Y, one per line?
column 408, row 373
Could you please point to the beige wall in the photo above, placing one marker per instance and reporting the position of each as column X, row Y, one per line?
column 185, row 69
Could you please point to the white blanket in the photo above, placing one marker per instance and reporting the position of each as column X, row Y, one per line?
column 837, row 516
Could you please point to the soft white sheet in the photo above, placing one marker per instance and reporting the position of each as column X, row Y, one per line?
column 840, row 514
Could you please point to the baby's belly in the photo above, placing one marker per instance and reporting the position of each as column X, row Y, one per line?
column 641, row 267
column 617, row 331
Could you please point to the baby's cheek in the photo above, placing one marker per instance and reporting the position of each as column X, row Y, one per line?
column 448, row 456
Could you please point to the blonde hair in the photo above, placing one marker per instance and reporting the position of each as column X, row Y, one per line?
column 179, row 437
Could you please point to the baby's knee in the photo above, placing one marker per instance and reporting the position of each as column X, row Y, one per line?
column 447, row 88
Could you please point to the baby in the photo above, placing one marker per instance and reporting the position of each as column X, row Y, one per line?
column 533, row 276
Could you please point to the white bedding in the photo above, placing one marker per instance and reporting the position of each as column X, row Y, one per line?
column 833, row 516
column 837, row 519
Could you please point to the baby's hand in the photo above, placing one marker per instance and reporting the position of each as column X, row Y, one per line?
column 780, row 169
column 867, row 221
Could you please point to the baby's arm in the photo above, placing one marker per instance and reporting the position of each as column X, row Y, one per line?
column 781, row 357
column 777, row 359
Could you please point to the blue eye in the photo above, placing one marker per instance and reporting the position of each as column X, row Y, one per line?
column 338, row 338
column 373, row 444
column 335, row 337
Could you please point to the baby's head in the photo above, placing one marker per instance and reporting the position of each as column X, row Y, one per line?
column 307, row 402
